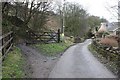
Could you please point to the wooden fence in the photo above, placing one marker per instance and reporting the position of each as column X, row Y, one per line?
column 45, row 37
column 6, row 43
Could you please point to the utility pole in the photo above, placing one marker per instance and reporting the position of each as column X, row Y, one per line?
column 63, row 16
column 119, row 22
column 63, row 20
column 118, row 39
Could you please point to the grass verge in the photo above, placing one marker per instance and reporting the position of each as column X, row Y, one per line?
column 12, row 66
column 111, row 65
column 52, row 48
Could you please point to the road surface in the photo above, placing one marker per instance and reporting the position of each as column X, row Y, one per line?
column 78, row 62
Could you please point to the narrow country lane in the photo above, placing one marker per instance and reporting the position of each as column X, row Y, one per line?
column 78, row 62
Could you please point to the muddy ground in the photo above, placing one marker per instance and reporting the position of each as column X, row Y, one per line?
column 37, row 65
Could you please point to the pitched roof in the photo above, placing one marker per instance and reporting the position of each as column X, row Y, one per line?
column 102, row 28
column 112, row 26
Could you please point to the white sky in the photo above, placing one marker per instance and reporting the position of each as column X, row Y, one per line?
column 98, row 8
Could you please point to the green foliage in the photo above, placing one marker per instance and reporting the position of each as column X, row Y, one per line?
column 13, row 64
column 89, row 34
column 94, row 21
column 25, row 16
column 103, row 20
column 75, row 20
column 106, row 33
column 103, row 34
column 6, row 26
column 38, row 21
column 52, row 49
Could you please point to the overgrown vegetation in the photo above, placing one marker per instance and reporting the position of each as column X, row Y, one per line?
column 25, row 16
column 78, row 22
column 12, row 66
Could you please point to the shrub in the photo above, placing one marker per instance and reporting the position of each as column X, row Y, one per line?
column 109, row 41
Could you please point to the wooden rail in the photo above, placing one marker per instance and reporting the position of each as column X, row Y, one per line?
column 46, row 37
column 6, row 43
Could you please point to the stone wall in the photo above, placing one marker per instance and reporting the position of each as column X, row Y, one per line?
column 111, row 54
column 107, row 51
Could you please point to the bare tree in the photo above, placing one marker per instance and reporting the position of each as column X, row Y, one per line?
column 21, row 13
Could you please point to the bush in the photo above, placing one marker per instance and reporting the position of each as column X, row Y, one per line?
column 89, row 35
column 109, row 41
column 77, row 40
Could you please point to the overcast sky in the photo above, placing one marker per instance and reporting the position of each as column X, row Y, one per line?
column 98, row 8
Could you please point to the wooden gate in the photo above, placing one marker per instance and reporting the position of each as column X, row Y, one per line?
column 45, row 37
column 6, row 43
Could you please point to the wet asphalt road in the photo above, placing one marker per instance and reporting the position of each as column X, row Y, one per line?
column 78, row 62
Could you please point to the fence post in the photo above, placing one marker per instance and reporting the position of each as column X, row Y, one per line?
column 58, row 35
column 12, row 42
column 12, row 34
column 3, row 50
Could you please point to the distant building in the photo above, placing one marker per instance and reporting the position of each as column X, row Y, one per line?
column 103, row 28
column 113, row 28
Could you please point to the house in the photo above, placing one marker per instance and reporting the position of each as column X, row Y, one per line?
column 113, row 28
column 111, row 38
column 110, row 28
column 103, row 28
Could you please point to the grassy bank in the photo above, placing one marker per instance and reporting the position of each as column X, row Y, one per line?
column 111, row 65
column 12, row 66
column 52, row 48
column 0, row 65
